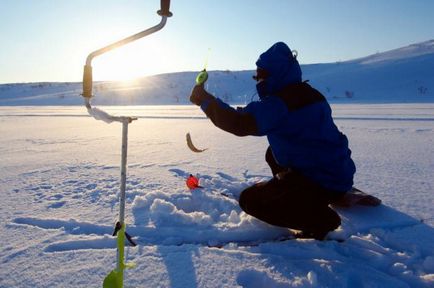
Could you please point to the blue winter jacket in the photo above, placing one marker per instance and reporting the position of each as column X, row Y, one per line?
column 296, row 119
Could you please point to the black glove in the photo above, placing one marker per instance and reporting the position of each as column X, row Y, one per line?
column 199, row 94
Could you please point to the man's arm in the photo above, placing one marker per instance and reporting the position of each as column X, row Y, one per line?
column 222, row 115
column 227, row 118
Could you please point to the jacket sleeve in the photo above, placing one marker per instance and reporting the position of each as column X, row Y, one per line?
column 237, row 122
column 270, row 115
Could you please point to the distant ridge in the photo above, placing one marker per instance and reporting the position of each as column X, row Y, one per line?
column 403, row 75
column 406, row 52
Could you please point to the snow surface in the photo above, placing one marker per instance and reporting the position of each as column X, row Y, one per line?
column 60, row 186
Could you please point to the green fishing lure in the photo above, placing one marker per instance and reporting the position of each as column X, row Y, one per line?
column 201, row 77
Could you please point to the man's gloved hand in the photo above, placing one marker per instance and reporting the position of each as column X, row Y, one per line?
column 199, row 95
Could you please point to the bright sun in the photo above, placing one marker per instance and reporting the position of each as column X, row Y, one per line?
column 131, row 61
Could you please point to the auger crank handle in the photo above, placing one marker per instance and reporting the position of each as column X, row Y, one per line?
column 165, row 7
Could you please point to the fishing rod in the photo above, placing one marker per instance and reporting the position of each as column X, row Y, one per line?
column 201, row 78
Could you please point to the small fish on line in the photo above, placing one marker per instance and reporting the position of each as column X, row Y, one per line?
column 191, row 146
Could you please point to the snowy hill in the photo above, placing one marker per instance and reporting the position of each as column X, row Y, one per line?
column 400, row 75
column 396, row 76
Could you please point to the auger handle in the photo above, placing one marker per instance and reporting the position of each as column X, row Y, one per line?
column 87, row 81
column 165, row 7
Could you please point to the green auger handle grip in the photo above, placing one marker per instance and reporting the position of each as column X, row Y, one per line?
column 201, row 77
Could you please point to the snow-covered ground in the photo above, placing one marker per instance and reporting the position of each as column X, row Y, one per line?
column 59, row 182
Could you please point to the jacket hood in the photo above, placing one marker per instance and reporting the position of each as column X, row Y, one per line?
column 282, row 67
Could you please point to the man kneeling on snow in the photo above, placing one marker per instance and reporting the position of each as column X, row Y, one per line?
column 308, row 156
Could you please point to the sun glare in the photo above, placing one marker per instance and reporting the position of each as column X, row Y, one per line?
column 130, row 62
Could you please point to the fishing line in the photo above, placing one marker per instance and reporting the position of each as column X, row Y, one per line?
column 201, row 78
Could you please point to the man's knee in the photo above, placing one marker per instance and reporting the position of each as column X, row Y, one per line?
column 250, row 197
column 245, row 198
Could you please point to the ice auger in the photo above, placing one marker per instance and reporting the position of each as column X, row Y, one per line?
column 115, row 278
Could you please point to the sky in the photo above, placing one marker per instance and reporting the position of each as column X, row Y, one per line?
column 48, row 40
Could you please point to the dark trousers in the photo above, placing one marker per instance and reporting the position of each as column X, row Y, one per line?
column 291, row 201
